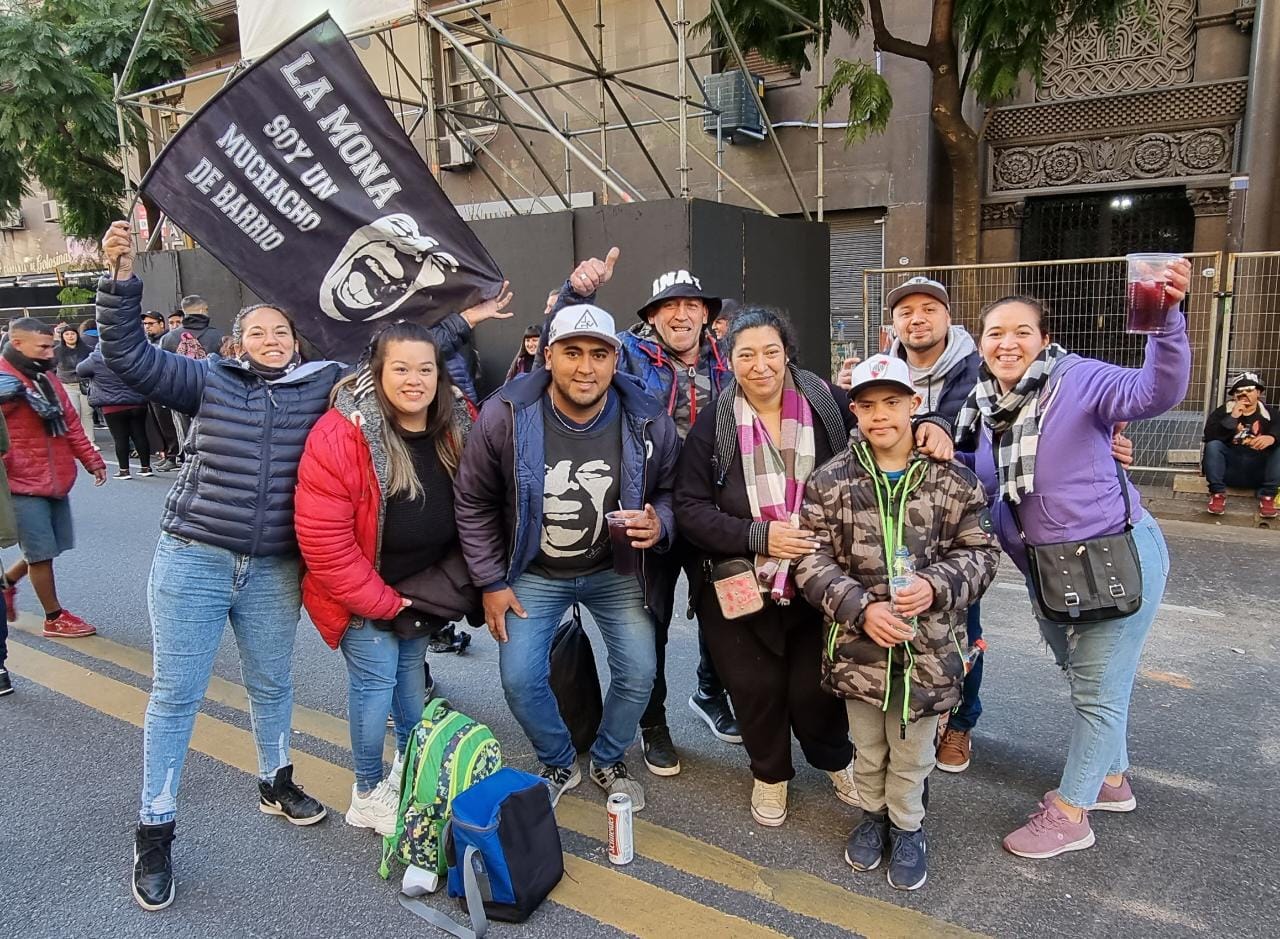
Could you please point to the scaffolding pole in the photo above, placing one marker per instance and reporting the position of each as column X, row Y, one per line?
column 682, row 88
column 480, row 68
column 822, row 111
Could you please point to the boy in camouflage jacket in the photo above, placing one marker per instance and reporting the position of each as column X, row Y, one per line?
column 898, row 663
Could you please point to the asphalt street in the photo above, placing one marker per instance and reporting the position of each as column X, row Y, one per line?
column 1198, row 858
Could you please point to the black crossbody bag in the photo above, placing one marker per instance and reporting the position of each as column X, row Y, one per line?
column 1088, row 580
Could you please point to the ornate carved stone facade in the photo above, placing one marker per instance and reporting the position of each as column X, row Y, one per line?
column 1002, row 214
column 1181, row 154
column 1154, row 52
column 1212, row 200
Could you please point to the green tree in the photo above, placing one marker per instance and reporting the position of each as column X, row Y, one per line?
column 1000, row 41
column 57, row 117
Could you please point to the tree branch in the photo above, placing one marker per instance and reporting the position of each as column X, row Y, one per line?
column 87, row 159
column 942, row 28
column 887, row 42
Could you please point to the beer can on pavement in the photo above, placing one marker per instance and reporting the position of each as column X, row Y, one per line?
column 621, row 837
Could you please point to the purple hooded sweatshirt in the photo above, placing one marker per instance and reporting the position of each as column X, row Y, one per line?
column 1077, row 492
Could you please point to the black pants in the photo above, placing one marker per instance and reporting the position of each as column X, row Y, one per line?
column 655, row 715
column 126, row 426
column 162, row 431
column 775, row 688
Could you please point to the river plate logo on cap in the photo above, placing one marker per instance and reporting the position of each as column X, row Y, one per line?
column 380, row 267
column 878, row 366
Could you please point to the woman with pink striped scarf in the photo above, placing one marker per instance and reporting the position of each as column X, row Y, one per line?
column 739, row 485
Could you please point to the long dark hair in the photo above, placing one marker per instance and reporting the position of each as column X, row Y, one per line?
column 442, row 424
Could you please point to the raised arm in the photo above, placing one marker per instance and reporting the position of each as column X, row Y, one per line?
column 172, row 380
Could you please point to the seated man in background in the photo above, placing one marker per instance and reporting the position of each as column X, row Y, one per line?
column 1240, row 447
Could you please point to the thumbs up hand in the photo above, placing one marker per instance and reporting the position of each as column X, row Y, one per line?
column 591, row 275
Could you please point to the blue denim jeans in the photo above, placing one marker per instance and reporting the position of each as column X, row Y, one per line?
column 616, row 603
column 193, row 591
column 384, row 673
column 1225, row 465
column 1101, row 661
column 970, row 708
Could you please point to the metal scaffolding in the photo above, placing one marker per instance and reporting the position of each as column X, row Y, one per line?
column 516, row 103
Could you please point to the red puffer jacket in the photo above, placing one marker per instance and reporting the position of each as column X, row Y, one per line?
column 337, row 509
column 37, row 464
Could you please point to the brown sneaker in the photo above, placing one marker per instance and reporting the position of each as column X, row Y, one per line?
column 954, row 750
column 68, row 626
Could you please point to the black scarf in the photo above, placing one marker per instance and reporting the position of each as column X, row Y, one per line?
column 43, row 398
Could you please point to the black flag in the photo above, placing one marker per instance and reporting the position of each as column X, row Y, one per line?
column 297, row 177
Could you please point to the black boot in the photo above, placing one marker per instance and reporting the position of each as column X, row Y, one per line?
column 153, row 866
column 715, row 710
column 284, row 797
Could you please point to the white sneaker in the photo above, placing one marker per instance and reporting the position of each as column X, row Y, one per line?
column 846, row 789
column 769, row 803
column 397, row 770
column 377, row 810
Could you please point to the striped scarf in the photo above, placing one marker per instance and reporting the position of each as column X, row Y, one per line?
column 775, row 474
column 1014, row 420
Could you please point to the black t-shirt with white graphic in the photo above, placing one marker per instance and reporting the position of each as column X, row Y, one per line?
column 583, row 482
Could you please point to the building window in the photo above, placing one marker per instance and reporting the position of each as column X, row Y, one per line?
column 775, row 74
column 463, row 88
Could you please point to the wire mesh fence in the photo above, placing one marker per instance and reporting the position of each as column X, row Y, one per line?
column 74, row 313
column 1251, row 320
column 1086, row 302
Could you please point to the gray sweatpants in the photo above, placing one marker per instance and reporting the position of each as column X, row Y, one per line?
column 889, row 771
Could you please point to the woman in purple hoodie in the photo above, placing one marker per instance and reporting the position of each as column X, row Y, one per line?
column 1052, row 415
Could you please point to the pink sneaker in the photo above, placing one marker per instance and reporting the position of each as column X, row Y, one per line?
column 1110, row 798
column 1048, row 833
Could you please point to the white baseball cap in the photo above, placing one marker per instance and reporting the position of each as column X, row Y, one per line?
column 583, row 319
column 882, row 370
column 924, row 285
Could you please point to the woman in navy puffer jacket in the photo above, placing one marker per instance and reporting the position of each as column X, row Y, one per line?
column 124, row 409
column 227, row 550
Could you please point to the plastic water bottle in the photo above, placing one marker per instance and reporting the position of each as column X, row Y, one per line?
column 970, row 660
column 903, row 573
column 902, row 576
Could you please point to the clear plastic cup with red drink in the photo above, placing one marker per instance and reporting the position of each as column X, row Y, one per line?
column 1148, row 302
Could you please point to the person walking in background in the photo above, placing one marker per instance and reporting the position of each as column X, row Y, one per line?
column 69, row 353
column 161, row 428
column 227, row 550
column 742, row 473
column 374, row 509
column 522, row 364
column 1240, row 447
column 45, row 442
column 552, row 453
column 897, row 659
column 8, row 538
column 89, row 333
column 125, row 411
column 194, row 336
column 1041, row 419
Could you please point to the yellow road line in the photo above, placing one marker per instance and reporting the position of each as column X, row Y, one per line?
column 630, row 905
column 795, row 891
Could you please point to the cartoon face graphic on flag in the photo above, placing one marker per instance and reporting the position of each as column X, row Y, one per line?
column 300, row 180
column 381, row 266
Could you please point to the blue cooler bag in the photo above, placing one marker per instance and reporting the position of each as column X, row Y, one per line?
column 503, row 850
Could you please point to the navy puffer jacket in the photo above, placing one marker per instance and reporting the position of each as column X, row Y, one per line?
column 237, row 491
column 106, row 389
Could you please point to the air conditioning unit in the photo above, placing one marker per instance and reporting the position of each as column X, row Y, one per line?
column 457, row 153
column 12, row 220
column 730, row 94
column 52, row 211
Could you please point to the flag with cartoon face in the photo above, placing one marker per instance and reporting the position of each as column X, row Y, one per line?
column 297, row 177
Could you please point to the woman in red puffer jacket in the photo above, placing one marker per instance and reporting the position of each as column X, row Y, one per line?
column 374, row 513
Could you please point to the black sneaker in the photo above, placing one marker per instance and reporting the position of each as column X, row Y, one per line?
column 715, row 710
column 659, row 752
column 122, row 474
column 165, row 466
column 449, row 640
column 285, row 797
column 865, row 849
column 6, row 686
column 152, row 866
column 907, row 869
column 145, row 472
column 560, row 779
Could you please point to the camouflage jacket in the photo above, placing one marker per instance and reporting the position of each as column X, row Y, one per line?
column 947, row 531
